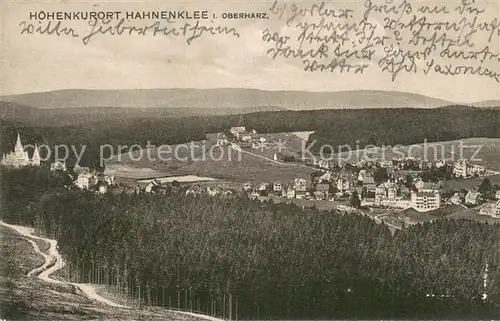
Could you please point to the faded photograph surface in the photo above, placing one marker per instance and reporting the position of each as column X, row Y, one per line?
column 250, row 160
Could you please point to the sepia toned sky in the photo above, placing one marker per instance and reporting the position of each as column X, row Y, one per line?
column 33, row 63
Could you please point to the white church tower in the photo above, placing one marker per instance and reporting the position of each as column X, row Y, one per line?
column 19, row 157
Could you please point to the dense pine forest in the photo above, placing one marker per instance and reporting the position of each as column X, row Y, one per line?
column 333, row 127
column 239, row 258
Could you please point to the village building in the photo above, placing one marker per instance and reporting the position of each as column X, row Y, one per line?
column 426, row 198
column 58, row 166
column 472, row 198
column 222, row 141
column 368, row 201
column 247, row 187
column 460, row 168
column 386, row 191
column 264, row 187
column 245, row 137
column 213, row 191
column 456, row 199
column 300, row 195
column 300, row 185
column 497, row 195
column 477, row 170
column 195, row 190
column 386, row 164
column 153, row 186
column 327, row 176
column 81, row 170
column 86, row 180
column 370, row 188
column 290, row 192
column 322, row 191
column 237, row 131
column 491, row 209
column 425, row 201
column 424, row 165
column 368, row 182
column 277, row 187
column 102, row 187
column 390, row 195
column 440, row 163
column 19, row 157
column 343, row 185
column 361, row 175
column 323, row 164
column 109, row 179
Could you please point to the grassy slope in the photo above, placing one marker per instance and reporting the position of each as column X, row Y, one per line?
column 250, row 168
column 230, row 166
column 23, row 298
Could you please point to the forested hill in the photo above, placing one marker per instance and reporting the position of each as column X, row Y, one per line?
column 221, row 98
column 242, row 259
column 333, row 127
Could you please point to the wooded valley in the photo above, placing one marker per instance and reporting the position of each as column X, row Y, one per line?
column 239, row 258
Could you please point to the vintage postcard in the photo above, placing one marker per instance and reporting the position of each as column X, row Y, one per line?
column 250, row 160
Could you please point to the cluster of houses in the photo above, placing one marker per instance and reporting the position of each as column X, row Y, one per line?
column 474, row 198
column 403, row 189
column 396, row 164
column 299, row 189
column 88, row 179
column 492, row 208
column 393, row 193
column 241, row 135
column 210, row 190
column 397, row 192
column 464, row 169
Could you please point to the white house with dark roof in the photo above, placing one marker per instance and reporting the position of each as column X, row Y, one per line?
column 472, row 198
column 237, row 131
column 427, row 197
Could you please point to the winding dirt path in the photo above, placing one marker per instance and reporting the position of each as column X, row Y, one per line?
column 54, row 262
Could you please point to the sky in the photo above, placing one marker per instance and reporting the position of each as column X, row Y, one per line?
column 41, row 62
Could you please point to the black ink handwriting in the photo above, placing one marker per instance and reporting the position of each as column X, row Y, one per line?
column 190, row 31
column 50, row 28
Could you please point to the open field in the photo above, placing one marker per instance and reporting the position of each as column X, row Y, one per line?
column 416, row 216
column 255, row 163
column 180, row 179
column 220, row 162
column 29, row 298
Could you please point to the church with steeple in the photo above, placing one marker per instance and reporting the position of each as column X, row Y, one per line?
column 19, row 157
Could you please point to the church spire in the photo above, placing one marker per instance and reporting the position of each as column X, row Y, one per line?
column 35, row 160
column 19, row 146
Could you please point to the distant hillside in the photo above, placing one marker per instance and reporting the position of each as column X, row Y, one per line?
column 354, row 127
column 488, row 103
column 249, row 99
column 89, row 115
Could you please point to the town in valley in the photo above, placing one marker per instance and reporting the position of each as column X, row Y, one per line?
column 399, row 192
